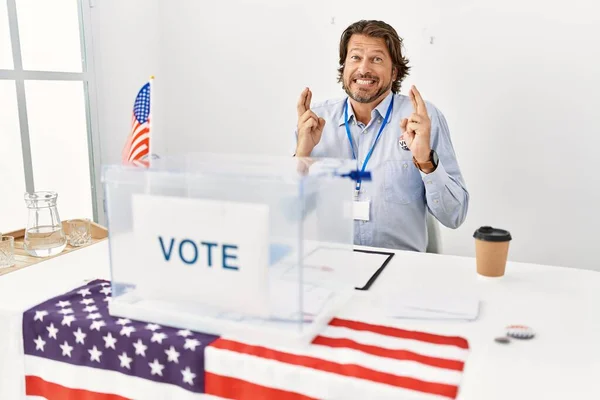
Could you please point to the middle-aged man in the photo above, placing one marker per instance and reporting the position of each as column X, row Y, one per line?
column 403, row 140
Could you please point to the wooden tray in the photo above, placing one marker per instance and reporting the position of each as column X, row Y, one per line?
column 23, row 259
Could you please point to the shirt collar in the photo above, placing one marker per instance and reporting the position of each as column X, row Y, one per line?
column 381, row 109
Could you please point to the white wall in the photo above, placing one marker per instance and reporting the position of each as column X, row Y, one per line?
column 125, row 45
column 515, row 79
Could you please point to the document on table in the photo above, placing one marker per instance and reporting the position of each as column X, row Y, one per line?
column 335, row 267
column 430, row 304
column 285, row 304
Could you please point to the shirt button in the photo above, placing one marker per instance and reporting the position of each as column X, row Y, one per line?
column 429, row 182
column 436, row 201
column 405, row 165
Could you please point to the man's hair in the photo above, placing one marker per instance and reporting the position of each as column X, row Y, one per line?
column 377, row 29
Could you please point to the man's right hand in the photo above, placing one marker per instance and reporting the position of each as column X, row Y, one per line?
column 310, row 126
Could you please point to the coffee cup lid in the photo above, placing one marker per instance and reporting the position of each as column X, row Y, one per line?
column 490, row 234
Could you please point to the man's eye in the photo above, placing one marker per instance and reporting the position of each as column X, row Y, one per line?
column 355, row 58
column 377, row 59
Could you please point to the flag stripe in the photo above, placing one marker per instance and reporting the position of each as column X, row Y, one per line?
column 143, row 133
column 390, row 353
column 142, row 141
column 351, row 370
column 139, row 151
column 307, row 381
column 144, row 136
column 36, row 386
column 390, row 342
column 345, row 355
column 137, row 127
column 99, row 380
column 137, row 135
column 139, row 132
column 402, row 333
column 232, row 388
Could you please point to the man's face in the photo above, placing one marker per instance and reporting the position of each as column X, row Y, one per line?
column 368, row 70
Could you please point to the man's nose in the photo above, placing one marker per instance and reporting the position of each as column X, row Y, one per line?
column 364, row 66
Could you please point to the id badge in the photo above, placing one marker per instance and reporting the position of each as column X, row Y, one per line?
column 361, row 210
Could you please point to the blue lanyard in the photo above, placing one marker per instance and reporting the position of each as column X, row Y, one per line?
column 385, row 121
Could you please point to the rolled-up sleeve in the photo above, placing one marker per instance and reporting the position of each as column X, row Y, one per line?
column 445, row 189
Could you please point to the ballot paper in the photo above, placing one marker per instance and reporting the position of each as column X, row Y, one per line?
column 431, row 304
column 335, row 268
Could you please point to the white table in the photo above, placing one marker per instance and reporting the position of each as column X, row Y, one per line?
column 23, row 289
column 562, row 305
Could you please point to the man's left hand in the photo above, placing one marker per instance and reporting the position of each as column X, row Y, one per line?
column 416, row 130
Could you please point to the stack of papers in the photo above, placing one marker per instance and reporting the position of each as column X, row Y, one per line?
column 431, row 305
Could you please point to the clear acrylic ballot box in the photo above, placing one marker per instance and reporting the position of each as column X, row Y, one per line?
column 229, row 245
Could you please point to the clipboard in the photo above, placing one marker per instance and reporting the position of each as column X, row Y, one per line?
column 379, row 270
column 368, row 276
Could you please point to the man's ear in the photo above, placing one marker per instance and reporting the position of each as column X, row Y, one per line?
column 394, row 73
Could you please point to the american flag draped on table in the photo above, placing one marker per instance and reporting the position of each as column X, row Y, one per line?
column 137, row 148
column 75, row 350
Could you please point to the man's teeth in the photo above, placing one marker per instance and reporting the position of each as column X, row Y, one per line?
column 364, row 82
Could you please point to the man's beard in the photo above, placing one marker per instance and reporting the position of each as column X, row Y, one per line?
column 366, row 99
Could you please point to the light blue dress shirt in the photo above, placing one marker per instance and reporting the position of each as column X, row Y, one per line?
column 399, row 193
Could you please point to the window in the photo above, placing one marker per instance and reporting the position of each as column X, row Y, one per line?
column 46, row 140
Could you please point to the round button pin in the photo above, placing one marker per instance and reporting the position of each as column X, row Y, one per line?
column 519, row 332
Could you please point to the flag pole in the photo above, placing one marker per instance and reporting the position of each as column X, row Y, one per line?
column 151, row 141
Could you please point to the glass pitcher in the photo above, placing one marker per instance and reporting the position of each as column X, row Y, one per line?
column 44, row 235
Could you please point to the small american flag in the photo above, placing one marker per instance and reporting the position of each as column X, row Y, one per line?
column 137, row 147
column 75, row 350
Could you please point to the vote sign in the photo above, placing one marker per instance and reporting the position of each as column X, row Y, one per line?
column 207, row 252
